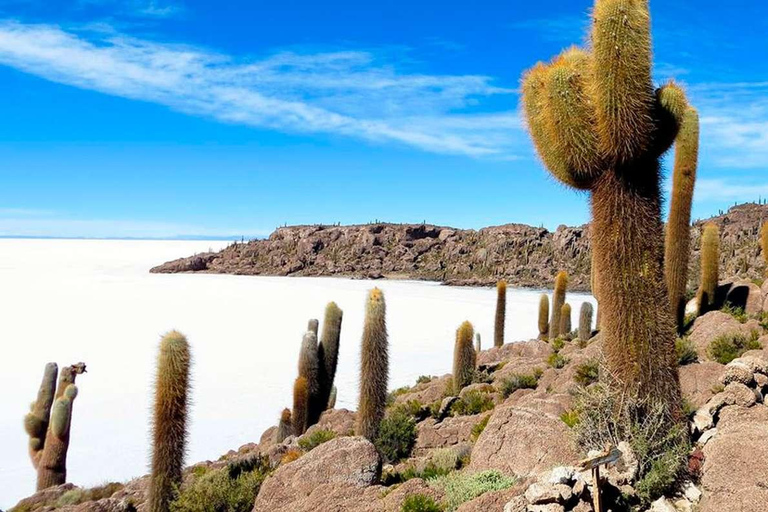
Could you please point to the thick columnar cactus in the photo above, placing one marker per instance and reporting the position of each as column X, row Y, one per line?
column 764, row 243
column 599, row 125
column 501, row 313
column 328, row 352
column 300, row 406
column 565, row 319
column 48, row 424
column 585, row 321
column 374, row 367
column 478, row 343
column 313, row 325
column 543, row 316
column 463, row 357
column 678, row 237
column 710, row 255
column 309, row 368
column 284, row 427
column 169, row 424
column 558, row 299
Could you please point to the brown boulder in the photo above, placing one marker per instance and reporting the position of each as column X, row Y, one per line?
column 747, row 295
column 449, row 432
column 526, row 436
column 533, row 349
column 427, row 392
column 699, row 381
column 713, row 324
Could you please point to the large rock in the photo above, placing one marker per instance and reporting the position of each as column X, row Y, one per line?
column 534, row 350
column 526, row 436
column 747, row 295
column 699, row 381
column 427, row 392
column 713, row 324
column 331, row 477
column 735, row 472
column 449, row 432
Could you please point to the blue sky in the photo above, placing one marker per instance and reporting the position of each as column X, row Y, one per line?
column 188, row 117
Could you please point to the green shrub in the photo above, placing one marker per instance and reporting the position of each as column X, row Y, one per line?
column 519, row 381
column 420, row 503
column 686, row 351
column 587, row 373
column 727, row 347
column 570, row 418
column 473, row 402
column 412, row 408
column 482, row 377
column 215, row 491
column 736, row 312
column 558, row 344
column 397, row 435
column 423, row 379
column 78, row 496
column 462, row 487
column 444, row 459
column 315, row 439
column 479, row 427
column 557, row 361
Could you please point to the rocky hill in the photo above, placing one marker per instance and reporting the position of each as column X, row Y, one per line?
column 526, row 256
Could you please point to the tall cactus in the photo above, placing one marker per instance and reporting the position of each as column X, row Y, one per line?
column 463, row 357
column 284, row 427
column 558, row 299
column 764, row 243
column 374, row 367
column 585, row 321
column 48, row 424
column 501, row 313
column 565, row 320
column 599, row 125
column 300, row 405
column 710, row 255
column 543, row 316
column 678, row 237
column 478, row 343
column 169, row 426
column 309, row 368
column 328, row 353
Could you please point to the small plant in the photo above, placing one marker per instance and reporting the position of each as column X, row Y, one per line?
column 479, row 427
column 423, row 379
column 555, row 360
column 570, row 418
column 397, row 436
column 78, row 496
column 736, row 312
column 473, row 402
column 686, row 351
column 420, row 503
column 518, row 381
column 412, row 408
column 717, row 388
column 315, row 439
column 217, row 491
column 558, row 343
column 460, row 488
column 587, row 373
column 445, row 459
column 290, row 456
column 727, row 347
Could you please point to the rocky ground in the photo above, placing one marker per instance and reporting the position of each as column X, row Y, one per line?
column 524, row 255
column 518, row 437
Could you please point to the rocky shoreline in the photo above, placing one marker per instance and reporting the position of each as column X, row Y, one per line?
column 525, row 256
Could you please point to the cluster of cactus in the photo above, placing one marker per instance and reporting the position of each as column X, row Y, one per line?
column 558, row 301
column 599, row 125
column 678, row 236
column 585, row 322
column 317, row 370
column 48, row 424
column 543, row 316
column 464, row 357
column 710, row 255
column 169, row 424
column 501, row 313
column 374, row 367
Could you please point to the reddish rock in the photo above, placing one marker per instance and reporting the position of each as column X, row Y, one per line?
column 699, row 381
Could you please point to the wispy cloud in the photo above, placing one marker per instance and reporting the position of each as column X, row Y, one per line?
column 345, row 93
column 563, row 29
column 727, row 190
column 139, row 8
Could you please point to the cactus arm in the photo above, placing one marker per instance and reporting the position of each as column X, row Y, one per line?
column 36, row 422
column 52, row 468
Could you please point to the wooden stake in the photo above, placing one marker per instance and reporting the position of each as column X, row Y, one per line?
column 597, row 498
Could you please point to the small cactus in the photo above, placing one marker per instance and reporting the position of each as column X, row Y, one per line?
column 300, row 406
column 48, row 424
column 478, row 343
column 374, row 367
column 501, row 313
column 313, row 325
column 565, row 320
column 463, row 357
column 169, row 427
column 284, row 428
column 543, row 316
column 328, row 352
column 710, row 255
column 585, row 321
column 558, row 299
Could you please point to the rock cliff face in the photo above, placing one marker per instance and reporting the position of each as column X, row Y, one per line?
column 526, row 256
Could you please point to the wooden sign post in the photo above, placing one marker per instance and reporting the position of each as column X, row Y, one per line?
column 610, row 454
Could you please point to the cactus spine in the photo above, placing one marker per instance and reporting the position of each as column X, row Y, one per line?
column 543, row 316
column 300, row 406
column 501, row 313
column 710, row 255
column 284, row 427
column 598, row 125
column 565, row 320
column 585, row 321
column 309, row 368
column 478, row 343
column 678, row 236
column 48, row 424
column 374, row 367
column 169, row 426
column 328, row 353
column 463, row 357
column 558, row 300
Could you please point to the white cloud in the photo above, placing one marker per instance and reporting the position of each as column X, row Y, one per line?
column 341, row 93
column 727, row 190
